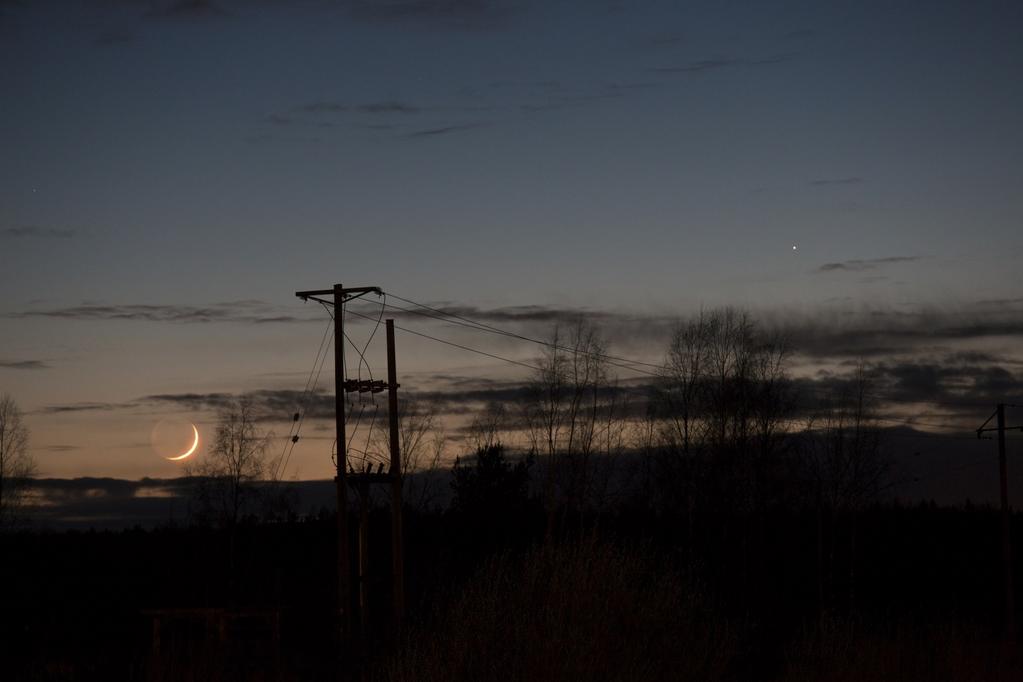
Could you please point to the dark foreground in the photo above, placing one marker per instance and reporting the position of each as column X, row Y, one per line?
column 894, row 593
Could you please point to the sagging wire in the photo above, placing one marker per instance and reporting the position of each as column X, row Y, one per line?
column 357, row 421
column 296, row 422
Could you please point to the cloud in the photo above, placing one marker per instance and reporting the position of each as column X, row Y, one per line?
column 445, row 130
column 452, row 399
column 823, row 182
column 84, row 407
column 562, row 99
column 23, row 364
column 698, row 66
column 538, row 316
column 326, row 108
column 113, row 38
column 194, row 401
column 662, row 40
column 800, row 34
column 389, row 107
column 110, row 503
column 59, row 448
column 965, row 389
column 981, row 338
column 955, row 354
column 107, row 502
column 774, row 59
column 830, row 332
column 251, row 312
column 534, row 97
column 456, row 397
column 482, row 15
column 880, row 333
column 36, row 233
column 269, row 404
column 716, row 64
column 382, row 107
column 999, row 302
column 859, row 265
column 186, row 9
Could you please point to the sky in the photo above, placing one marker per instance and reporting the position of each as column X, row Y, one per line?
column 172, row 172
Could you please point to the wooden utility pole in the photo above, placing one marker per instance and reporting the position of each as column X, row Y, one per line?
column 1010, row 616
column 363, row 491
column 339, row 296
column 397, row 558
column 1009, row 606
column 343, row 567
column 362, row 480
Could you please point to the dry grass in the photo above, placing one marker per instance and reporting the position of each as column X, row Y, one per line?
column 845, row 651
column 581, row 612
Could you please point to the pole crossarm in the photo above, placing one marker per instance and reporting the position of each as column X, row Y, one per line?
column 1009, row 617
column 1007, row 428
column 986, row 422
column 347, row 294
column 360, row 481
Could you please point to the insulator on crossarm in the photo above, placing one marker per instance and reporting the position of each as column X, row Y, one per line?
column 294, row 439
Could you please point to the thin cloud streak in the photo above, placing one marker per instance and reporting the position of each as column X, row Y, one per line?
column 36, row 233
column 249, row 312
column 859, row 265
column 824, row 182
column 383, row 107
column 719, row 63
column 23, row 364
column 186, row 9
column 84, row 407
column 468, row 15
column 445, row 130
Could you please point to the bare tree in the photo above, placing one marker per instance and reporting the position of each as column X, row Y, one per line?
column 724, row 403
column 566, row 415
column 16, row 465
column 236, row 461
column 487, row 426
column 685, row 366
column 422, row 440
column 848, row 468
column 730, row 358
column 684, row 399
column 608, row 481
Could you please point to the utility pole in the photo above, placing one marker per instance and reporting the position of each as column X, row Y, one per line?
column 362, row 480
column 339, row 296
column 343, row 568
column 1009, row 603
column 397, row 558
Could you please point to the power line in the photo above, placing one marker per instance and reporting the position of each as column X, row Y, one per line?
column 456, row 345
column 459, row 320
column 452, row 318
column 910, row 422
column 630, row 364
column 296, row 424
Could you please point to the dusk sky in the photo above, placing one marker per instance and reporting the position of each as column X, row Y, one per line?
column 172, row 172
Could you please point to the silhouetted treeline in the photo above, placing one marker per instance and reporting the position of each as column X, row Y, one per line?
column 77, row 601
column 709, row 524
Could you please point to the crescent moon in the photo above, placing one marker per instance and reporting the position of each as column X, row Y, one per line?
column 195, row 444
